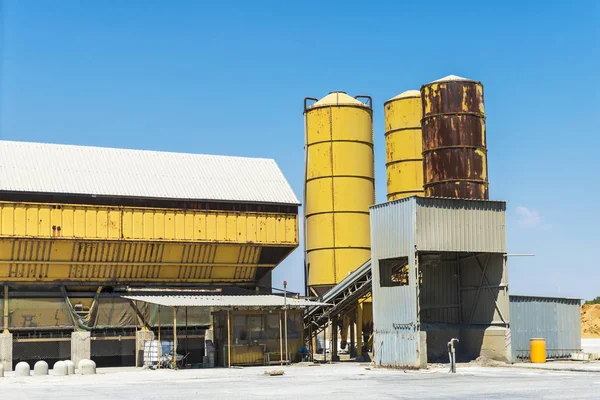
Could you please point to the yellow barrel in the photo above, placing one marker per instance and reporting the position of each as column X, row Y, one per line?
column 404, row 145
column 339, row 188
column 537, row 350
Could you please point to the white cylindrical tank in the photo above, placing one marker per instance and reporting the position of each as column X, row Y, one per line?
column 22, row 369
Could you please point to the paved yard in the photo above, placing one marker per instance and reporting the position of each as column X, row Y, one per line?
column 343, row 380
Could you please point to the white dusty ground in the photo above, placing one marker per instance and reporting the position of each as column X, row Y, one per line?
column 590, row 345
column 345, row 380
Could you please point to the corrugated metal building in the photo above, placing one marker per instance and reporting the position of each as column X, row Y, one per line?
column 79, row 222
column 557, row 320
column 439, row 271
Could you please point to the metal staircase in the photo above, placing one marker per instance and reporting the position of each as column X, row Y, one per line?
column 340, row 299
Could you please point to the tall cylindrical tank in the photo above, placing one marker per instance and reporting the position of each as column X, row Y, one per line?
column 454, row 144
column 404, row 145
column 339, row 187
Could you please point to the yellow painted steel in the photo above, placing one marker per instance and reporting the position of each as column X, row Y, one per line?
column 339, row 188
column 537, row 350
column 404, row 145
column 96, row 244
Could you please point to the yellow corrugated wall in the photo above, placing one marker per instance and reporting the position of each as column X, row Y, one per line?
column 97, row 244
column 404, row 145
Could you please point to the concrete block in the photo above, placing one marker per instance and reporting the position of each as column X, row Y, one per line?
column 423, row 347
column 490, row 342
column 40, row 368
column 70, row 367
column 80, row 346
column 6, row 351
column 86, row 367
column 60, row 368
column 22, row 369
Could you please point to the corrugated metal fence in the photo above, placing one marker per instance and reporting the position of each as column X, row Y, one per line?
column 557, row 320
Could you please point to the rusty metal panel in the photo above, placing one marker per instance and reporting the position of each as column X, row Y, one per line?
column 40, row 168
column 460, row 225
column 396, row 341
column 454, row 139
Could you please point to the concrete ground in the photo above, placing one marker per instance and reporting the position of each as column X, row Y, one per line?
column 344, row 380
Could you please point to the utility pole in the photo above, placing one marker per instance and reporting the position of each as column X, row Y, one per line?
column 285, row 320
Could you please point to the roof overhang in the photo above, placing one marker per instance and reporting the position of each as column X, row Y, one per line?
column 224, row 301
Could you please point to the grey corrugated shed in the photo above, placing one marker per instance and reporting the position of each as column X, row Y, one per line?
column 79, row 170
column 441, row 224
column 217, row 301
column 557, row 320
column 396, row 338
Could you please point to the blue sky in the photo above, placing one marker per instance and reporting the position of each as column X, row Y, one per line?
column 229, row 78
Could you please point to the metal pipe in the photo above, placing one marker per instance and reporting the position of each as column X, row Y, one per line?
column 287, row 356
column 452, row 354
column 174, row 338
column 228, row 340
column 5, row 319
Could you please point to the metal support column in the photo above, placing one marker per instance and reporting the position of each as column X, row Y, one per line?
column 174, row 338
column 280, row 340
column 352, row 349
column 334, row 339
column 159, row 347
column 5, row 319
column 359, row 330
column 287, row 355
column 228, row 340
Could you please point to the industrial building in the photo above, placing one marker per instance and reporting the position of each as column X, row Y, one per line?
column 81, row 225
column 105, row 251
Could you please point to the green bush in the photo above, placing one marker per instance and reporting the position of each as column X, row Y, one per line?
column 595, row 301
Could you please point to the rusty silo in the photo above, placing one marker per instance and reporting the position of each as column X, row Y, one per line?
column 454, row 144
column 404, row 145
column 339, row 187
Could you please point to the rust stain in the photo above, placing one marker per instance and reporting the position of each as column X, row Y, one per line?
column 454, row 143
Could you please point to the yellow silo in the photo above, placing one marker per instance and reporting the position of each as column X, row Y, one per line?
column 404, row 145
column 339, row 187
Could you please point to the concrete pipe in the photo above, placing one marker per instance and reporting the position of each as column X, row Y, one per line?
column 70, row 367
column 40, row 368
column 22, row 369
column 60, row 368
column 86, row 367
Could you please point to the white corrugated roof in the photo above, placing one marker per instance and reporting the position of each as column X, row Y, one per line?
column 79, row 170
column 223, row 301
